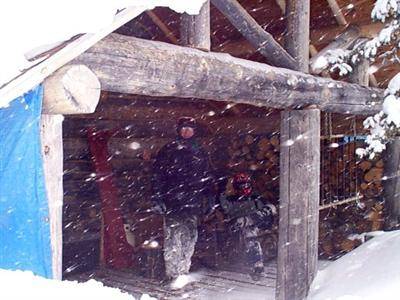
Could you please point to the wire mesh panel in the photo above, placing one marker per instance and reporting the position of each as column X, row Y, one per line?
column 351, row 190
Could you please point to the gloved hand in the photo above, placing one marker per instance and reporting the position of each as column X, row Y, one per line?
column 159, row 208
column 210, row 208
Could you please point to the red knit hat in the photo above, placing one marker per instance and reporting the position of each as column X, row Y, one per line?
column 242, row 183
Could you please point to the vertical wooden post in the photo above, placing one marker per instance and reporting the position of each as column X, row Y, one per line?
column 391, row 186
column 195, row 30
column 300, row 171
column 360, row 73
column 297, row 39
column 299, row 195
column 52, row 152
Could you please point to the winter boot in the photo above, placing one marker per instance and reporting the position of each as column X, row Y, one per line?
column 257, row 272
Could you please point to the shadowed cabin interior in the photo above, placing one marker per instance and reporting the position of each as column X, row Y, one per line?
column 237, row 137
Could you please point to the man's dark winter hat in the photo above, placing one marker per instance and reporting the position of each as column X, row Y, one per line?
column 186, row 122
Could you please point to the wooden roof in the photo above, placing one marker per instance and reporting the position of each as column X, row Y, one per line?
column 162, row 24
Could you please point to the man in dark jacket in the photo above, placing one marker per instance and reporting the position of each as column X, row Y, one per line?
column 182, row 183
column 249, row 214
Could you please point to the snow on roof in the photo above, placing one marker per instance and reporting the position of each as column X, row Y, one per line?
column 29, row 25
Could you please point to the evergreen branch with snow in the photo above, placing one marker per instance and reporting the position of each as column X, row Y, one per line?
column 385, row 125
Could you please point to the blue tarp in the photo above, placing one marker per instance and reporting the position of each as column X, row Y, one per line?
column 24, row 215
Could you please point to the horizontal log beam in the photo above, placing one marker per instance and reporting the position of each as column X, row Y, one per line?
column 73, row 89
column 263, row 41
column 131, row 65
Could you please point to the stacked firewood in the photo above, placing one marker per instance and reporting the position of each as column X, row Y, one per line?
column 258, row 156
column 371, row 185
column 342, row 226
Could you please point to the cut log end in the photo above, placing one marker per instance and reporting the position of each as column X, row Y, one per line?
column 73, row 89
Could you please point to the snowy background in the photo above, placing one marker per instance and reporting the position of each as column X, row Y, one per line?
column 28, row 26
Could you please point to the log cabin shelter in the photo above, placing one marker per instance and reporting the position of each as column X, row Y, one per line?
column 261, row 109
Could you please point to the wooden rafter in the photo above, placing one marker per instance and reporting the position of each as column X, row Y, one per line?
column 326, row 35
column 318, row 38
column 263, row 41
column 164, row 28
column 337, row 12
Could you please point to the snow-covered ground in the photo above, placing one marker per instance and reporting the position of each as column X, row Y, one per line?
column 370, row 272
column 25, row 285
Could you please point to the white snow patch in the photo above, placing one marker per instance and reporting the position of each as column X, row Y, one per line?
column 288, row 143
column 394, row 85
column 26, row 26
column 134, row 145
column 25, row 285
column 369, row 272
column 182, row 281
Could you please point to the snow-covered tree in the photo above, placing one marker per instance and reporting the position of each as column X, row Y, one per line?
column 385, row 125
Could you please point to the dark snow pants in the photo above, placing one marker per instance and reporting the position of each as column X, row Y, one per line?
column 180, row 237
column 249, row 232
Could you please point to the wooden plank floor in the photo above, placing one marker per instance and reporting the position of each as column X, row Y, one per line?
column 207, row 284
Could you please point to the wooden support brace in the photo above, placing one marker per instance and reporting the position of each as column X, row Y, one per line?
column 360, row 74
column 337, row 12
column 164, row 28
column 255, row 34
